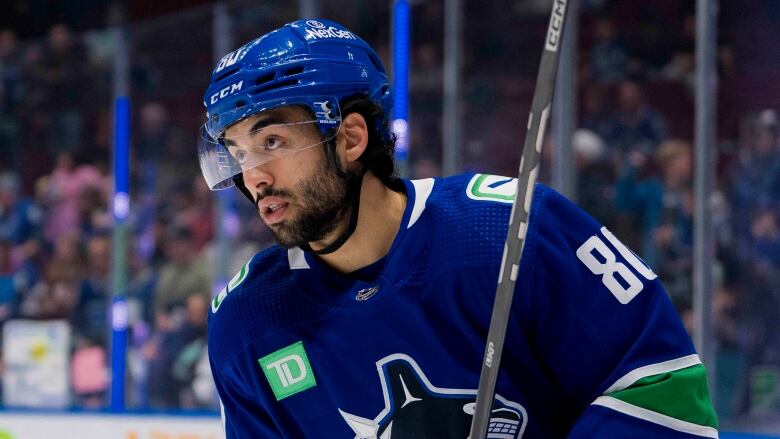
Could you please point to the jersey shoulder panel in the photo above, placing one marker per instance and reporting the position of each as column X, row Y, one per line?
column 468, row 216
column 260, row 299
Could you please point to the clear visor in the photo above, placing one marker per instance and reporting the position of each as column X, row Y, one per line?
column 259, row 139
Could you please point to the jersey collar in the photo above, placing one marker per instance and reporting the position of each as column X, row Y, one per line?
column 326, row 285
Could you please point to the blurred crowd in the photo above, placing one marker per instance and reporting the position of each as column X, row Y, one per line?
column 56, row 224
column 633, row 161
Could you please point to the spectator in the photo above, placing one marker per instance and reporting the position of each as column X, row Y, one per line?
column 757, row 173
column 90, row 318
column 34, row 115
column 634, row 126
column 653, row 32
column 762, row 289
column 595, row 176
column 191, row 339
column 20, row 220
column 8, row 289
column 608, row 58
column 199, row 214
column 91, row 326
column 93, row 214
column 765, row 231
column 167, row 367
column 155, row 130
column 140, row 290
column 11, row 94
column 181, row 281
column 65, row 62
column 655, row 201
column 673, row 236
column 596, row 112
column 638, row 202
column 89, row 376
column 61, row 191
column 755, row 177
column 55, row 295
column 681, row 66
column 185, row 274
column 176, row 166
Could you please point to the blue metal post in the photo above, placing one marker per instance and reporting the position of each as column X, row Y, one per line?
column 121, row 208
column 401, row 24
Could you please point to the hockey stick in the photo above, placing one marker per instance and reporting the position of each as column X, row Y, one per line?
column 518, row 220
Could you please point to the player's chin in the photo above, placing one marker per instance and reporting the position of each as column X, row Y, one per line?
column 285, row 237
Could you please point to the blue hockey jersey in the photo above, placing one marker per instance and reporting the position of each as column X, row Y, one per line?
column 594, row 348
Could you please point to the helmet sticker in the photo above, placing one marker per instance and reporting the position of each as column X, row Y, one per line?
column 315, row 24
column 231, row 58
column 316, row 30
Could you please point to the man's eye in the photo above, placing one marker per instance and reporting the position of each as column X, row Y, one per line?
column 272, row 143
column 240, row 156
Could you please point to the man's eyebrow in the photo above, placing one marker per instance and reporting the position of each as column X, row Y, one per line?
column 259, row 125
column 264, row 122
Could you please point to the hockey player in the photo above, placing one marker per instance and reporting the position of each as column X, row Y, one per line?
column 369, row 319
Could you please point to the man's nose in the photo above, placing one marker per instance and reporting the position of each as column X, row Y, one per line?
column 257, row 177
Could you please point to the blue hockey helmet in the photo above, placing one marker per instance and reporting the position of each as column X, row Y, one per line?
column 313, row 63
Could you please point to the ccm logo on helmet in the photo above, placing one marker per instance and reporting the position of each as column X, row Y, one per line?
column 225, row 92
column 317, row 32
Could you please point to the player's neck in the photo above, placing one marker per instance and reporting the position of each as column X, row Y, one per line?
column 381, row 211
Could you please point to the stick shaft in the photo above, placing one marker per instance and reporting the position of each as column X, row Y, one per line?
column 518, row 221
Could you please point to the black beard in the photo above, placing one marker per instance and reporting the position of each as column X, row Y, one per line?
column 324, row 203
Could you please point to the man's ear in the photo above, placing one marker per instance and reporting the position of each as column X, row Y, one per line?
column 353, row 138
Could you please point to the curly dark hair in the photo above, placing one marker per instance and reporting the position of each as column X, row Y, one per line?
column 379, row 154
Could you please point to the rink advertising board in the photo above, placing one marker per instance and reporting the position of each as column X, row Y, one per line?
column 35, row 354
column 54, row 426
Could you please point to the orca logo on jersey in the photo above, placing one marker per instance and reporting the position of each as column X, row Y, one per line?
column 416, row 408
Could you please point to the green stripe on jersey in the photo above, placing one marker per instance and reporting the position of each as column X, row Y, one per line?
column 680, row 394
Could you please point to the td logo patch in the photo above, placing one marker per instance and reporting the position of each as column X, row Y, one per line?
column 288, row 371
column 416, row 408
column 486, row 187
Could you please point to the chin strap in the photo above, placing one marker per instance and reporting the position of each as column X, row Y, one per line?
column 354, row 182
column 238, row 180
column 354, row 187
